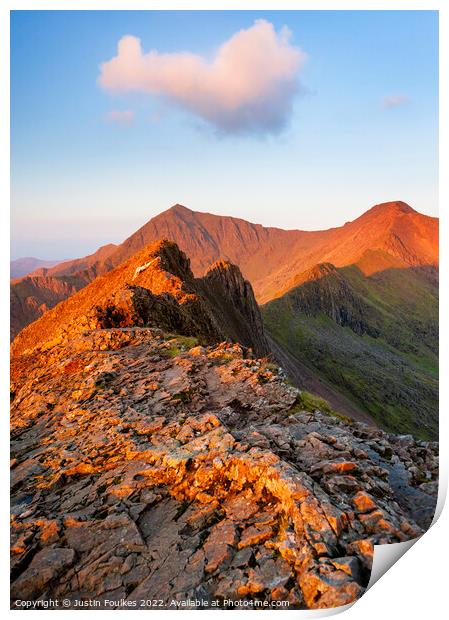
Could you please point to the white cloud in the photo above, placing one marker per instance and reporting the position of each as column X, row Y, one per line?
column 248, row 86
column 395, row 101
column 120, row 117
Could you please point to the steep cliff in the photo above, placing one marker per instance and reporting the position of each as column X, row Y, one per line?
column 234, row 305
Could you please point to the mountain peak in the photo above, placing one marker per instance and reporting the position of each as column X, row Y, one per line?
column 321, row 270
column 396, row 206
column 221, row 265
column 313, row 274
column 178, row 208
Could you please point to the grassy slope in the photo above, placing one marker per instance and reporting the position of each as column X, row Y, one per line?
column 391, row 369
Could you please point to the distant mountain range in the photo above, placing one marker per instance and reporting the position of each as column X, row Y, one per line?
column 388, row 235
column 23, row 266
column 357, row 305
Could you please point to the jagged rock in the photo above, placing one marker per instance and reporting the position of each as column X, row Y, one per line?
column 349, row 565
column 241, row 507
column 324, row 587
column 218, row 545
column 254, row 535
column 226, row 288
column 156, row 287
column 205, row 482
column 364, row 549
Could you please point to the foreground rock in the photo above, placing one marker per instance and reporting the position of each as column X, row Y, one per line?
column 149, row 467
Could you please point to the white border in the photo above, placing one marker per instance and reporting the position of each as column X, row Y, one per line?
column 416, row 585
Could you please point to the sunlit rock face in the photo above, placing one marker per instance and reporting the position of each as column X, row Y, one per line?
column 156, row 287
column 147, row 465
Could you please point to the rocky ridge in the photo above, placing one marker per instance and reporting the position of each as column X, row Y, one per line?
column 146, row 466
column 156, row 287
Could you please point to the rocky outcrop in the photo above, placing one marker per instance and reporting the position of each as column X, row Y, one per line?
column 148, row 467
column 156, row 288
column 234, row 305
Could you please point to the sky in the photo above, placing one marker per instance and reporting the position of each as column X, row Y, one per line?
column 293, row 119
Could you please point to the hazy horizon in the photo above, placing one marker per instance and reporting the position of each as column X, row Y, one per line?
column 118, row 115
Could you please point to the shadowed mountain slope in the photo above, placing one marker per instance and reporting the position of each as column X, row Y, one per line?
column 373, row 337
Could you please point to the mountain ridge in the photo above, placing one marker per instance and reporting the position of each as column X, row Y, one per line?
column 269, row 256
column 153, row 458
column 155, row 286
column 144, row 465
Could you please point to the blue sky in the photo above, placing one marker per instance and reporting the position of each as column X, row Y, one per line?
column 90, row 165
